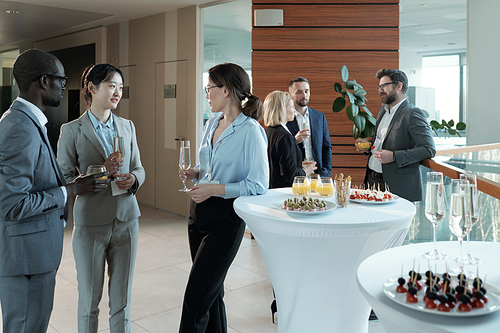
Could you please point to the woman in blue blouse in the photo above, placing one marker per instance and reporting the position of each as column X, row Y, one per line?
column 233, row 162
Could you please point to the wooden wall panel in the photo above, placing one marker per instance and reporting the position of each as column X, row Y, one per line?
column 325, row 38
column 328, row 15
column 317, row 38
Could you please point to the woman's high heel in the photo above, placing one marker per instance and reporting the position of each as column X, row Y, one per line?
column 274, row 308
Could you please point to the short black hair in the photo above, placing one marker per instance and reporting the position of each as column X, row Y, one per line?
column 33, row 63
column 395, row 75
column 297, row 79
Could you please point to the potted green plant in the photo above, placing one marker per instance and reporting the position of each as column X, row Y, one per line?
column 363, row 120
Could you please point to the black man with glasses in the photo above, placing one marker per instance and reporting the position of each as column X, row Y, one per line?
column 401, row 140
column 33, row 196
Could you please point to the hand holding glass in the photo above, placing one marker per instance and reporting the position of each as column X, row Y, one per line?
column 184, row 161
column 118, row 145
column 435, row 208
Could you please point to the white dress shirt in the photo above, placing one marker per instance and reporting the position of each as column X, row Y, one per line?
column 381, row 134
column 304, row 123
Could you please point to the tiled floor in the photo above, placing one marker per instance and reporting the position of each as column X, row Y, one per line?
column 161, row 272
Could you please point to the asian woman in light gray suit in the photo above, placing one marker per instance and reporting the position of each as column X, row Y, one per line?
column 106, row 223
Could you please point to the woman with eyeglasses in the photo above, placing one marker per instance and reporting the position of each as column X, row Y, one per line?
column 106, row 223
column 233, row 162
column 285, row 157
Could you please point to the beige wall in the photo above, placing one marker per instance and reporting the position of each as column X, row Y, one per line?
column 138, row 46
column 483, row 72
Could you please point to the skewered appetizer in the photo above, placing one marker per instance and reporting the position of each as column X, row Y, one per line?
column 370, row 195
column 304, row 204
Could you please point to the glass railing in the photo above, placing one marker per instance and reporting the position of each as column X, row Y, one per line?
column 483, row 161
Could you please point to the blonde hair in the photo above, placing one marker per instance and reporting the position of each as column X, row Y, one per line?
column 275, row 106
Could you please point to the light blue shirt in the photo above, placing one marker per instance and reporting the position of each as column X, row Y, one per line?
column 105, row 132
column 238, row 159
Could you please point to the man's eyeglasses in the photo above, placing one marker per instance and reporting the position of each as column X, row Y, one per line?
column 382, row 86
column 64, row 79
column 207, row 88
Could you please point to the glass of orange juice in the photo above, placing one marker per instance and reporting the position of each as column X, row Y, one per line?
column 314, row 180
column 324, row 187
column 301, row 186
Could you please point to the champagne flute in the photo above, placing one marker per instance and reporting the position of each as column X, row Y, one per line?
column 435, row 208
column 184, row 160
column 459, row 222
column 468, row 259
column 118, row 145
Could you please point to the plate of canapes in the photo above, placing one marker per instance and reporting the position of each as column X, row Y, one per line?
column 372, row 196
column 305, row 205
column 442, row 294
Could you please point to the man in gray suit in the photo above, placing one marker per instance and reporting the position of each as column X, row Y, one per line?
column 402, row 139
column 33, row 196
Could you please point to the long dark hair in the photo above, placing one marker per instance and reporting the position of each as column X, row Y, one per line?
column 236, row 80
column 97, row 74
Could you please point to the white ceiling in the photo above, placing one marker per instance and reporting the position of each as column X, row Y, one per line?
column 426, row 26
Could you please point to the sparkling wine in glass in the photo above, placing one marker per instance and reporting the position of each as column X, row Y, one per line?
column 460, row 222
column 118, row 145
column 468, row 259
column 435, row 208
column 184, row 160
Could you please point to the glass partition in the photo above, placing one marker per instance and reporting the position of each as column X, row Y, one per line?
column 8, row 87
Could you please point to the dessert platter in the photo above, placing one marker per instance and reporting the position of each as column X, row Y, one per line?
column 305, row 205
column 443, row 294
column 372, row 196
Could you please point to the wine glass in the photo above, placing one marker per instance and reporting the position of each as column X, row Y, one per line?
column 93, row 169
column 459, row 222
column 435, row 208
column 468, row 259
column 184, row 160
column 118, row 145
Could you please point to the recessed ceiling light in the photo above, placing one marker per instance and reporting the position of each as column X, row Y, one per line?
column 13, row 12
column 424, row 5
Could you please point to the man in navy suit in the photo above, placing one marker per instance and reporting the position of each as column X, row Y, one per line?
column 33, row 196
column 310, row 128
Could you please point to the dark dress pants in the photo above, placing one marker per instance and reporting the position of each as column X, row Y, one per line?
column 374, row 180
column 215, row 232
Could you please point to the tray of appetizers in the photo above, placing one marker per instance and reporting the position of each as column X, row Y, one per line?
column 373, row 197
column 443, row 295
column 305, row 205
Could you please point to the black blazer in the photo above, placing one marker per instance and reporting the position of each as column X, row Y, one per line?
column 285, row 158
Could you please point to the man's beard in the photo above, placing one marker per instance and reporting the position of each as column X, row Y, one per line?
column 303, row 104
column 389, row 98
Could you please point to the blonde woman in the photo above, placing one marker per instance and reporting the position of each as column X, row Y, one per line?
column 285, row 157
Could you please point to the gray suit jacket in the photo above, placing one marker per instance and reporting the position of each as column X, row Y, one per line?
column 409, row 137
column 79, row 147
column 31, row 202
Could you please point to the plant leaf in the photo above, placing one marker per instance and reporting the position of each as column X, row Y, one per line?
column 369, row 129
column 348, row 112
column 349, row 85
column 367, row 111
column 360, row 122
column 338, row 104
column 338, row 87
column 371, row 119
column 451, row 123
column 452, row 131
column 344, row 73
column 461, row 126
column 360, row 92
column 352, row 99
column 355, row 131
column 435, row 125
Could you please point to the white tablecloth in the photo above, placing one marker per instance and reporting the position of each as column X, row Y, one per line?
column 396, row 318
column 312, row 259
